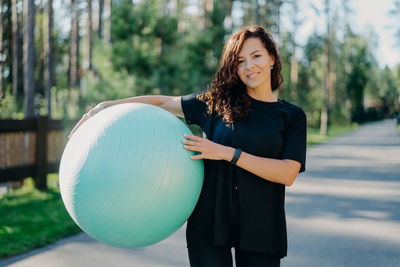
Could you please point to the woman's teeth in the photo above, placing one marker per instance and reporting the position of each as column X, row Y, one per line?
column 253, row 75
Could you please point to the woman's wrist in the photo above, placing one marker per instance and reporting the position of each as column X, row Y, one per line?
column 228, row 153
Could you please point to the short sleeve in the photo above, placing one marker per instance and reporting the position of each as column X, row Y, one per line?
column 194, row 110
column 295, row 140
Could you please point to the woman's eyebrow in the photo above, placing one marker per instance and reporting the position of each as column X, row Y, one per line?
column 253, row 52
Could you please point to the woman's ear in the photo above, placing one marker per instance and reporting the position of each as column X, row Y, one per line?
column 272, row 60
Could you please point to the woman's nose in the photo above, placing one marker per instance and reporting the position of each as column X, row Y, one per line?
column 249, row 64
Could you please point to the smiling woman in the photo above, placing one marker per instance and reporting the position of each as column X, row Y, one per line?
column 254, row 69
column 253, row 145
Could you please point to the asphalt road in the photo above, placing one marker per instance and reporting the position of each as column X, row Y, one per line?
column 344, row 211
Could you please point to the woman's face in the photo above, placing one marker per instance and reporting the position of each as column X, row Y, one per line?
column 254, row 67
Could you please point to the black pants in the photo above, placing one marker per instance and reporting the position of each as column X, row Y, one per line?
column 221, row 256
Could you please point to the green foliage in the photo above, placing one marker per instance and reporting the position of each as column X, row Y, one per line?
column 163, row 60
column 358, row 77
column 8, row 108
column 387, row 91
column 154, row 50
column 310, row 82
column 141, row 39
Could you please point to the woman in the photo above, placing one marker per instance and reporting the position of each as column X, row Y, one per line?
column 254, row 146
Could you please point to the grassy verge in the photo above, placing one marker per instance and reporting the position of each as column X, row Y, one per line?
column 398, row 128
column 313, row 136
column 31, row 218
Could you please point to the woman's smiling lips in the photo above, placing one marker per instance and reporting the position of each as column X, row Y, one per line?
column 252, row 75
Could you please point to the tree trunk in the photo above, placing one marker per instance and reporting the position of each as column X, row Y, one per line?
column 100, row 26
column 74, row 45
column 277, row 20
column 257, row 12
column 90, row 33
column 228, row 15
column 1, row 52
column 326, row 71
column 294, row 73
column 14, row 20
column 107, row 21
column 332, row 66
column 49, row 73
column 207, row 7
column 325, row 92
column 29, row 63
column 40, row 63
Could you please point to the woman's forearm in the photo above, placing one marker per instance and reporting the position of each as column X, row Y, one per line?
column 156, row 100
column 281, row 171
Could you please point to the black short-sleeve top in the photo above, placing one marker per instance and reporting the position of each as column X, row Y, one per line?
column 274, row 130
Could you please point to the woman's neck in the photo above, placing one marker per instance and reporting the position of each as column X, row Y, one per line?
column 262, row 95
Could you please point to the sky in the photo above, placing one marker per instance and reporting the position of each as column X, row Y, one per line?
column 372, row 13
column 367, row 16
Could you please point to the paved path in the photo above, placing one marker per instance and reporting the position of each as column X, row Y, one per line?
column 344, row 211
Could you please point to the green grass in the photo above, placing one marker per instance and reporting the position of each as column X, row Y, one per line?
column 314, row 137
column 31, row 218
column 398, row 128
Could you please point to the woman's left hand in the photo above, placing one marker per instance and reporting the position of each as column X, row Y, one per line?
column 207, row 148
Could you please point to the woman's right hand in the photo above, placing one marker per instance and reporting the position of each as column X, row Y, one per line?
column 89, row 114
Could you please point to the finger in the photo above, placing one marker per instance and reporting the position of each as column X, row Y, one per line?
column 193, row 137
column 200, row 156
column 186, row 142
column 192, row 148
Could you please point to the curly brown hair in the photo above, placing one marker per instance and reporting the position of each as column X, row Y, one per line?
column 227, row 94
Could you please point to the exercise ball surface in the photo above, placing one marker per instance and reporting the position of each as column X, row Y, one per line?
column 125, row 178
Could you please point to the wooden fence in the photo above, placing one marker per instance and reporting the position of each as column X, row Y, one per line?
column 30, row 148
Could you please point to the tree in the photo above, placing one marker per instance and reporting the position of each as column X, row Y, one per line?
column 227, row 6
column 388, row 91
column 90, row 33
column 74, row 45
column 100, row 17
column 326, row 87
column 49, row 73
column 15, row 50
column 311, row 78
column 2, row 89
column 296, row 22
column 358, row 77
column 29, row 57
column 107, row 21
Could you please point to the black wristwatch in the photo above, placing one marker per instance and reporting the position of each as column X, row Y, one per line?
column 236, row 155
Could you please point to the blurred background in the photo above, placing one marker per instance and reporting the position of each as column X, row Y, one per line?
column 341, row 64
column 340, row 58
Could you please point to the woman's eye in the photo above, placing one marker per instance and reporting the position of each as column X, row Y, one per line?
column 257, row 56
column 240, row 61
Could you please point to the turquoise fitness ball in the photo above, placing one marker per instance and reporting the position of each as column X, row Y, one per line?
column 126, row 179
